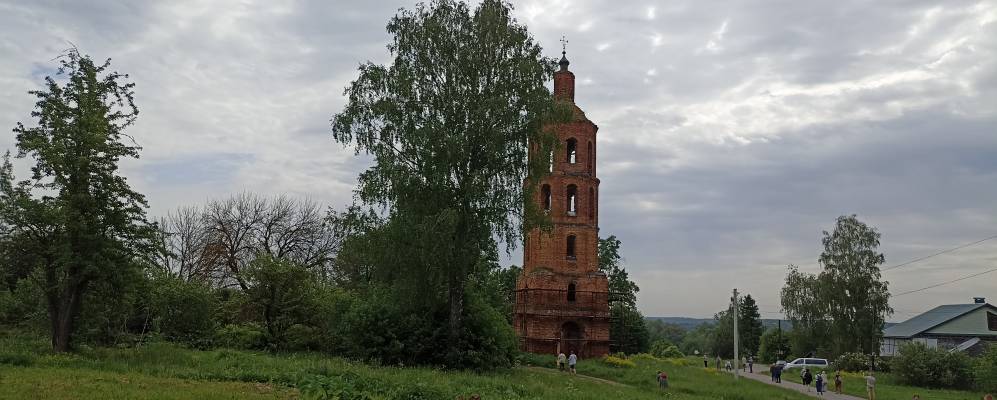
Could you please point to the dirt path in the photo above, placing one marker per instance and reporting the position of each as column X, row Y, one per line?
column 586, row 377
column 766, row 379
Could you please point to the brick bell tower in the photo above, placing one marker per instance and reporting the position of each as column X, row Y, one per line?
column 562, row 299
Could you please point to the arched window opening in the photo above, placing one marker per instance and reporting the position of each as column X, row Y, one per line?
column 572, row 151
column 545, row 195
column 591, row 204
column 570, row 254
column 571, row 292
column 591, row 157
column 572, row 200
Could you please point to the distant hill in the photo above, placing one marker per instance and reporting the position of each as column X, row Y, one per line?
column 691, row 323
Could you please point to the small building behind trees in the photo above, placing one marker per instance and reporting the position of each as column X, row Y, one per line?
column 954, row 327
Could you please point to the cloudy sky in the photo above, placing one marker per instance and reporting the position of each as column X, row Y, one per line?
column 731, row 133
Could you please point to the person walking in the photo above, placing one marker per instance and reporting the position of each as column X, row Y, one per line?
column 572, row 360
column 727, row 366
column 870, row 385
column 718, row 362
column 706, row 363
column 808, row 378
column 837, row 382
column 772, row 371
column 778, row 373
column 561, row 359
column 751, row 365
column 744, row 364
column 819, row 384
column 662, row 380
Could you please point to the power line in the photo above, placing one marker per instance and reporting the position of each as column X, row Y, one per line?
column 946, row 282
column 939, row 253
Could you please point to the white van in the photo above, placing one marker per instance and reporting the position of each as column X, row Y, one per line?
column 806, row 363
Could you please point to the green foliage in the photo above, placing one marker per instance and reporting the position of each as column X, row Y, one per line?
column 618, row 361
column 243, row 337
column 774, row 346
column 664, row 349
column 723, row 335
column 661, row 330
column 699, row 340
column 449, row 124
column 917, row 365
column 382, row 330
column 87, row 227
column 854, row 362
column 847, row 303
column 281, row 292
column 985, row 371
column 627, row 329
column 23, row 305
column 183, row 311
column 749, row 325
column 623, row 289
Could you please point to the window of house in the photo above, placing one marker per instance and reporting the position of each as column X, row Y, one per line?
column 571, row 291
column 992, row 321
column 572, row 199
column 572, row 151
column 545, row 195
column 570, row 251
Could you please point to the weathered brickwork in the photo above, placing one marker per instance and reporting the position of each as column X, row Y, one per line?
column 562, row 299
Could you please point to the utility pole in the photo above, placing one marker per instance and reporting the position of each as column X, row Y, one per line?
column 736, row 359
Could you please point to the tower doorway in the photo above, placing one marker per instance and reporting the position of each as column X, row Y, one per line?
column 572, row 337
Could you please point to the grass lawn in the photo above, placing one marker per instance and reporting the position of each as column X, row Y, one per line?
column 687, row 379
column 166, row 371
column 887, row 387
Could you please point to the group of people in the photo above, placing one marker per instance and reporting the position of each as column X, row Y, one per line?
column 571, row 360
column 820, row 381
column 747, row 364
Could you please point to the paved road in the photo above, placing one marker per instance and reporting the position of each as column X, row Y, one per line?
column 765, row 378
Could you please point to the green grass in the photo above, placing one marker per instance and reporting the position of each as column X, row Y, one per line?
column 687, row 379
column 166, row 371
column 887, row 387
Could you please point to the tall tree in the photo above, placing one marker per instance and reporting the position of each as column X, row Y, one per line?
column 749, row 325
column 451, row 123
column 623, row 289
column 627, row 326
column 848, row 297
column 87, row 226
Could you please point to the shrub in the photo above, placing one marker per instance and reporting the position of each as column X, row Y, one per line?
column 986, row 370
column 281, row 292
column 16, row 359
column 664, row 349
column 917, row 365
column 244, row 337
column 183, row 311
column 853, row 362
column 618, row 362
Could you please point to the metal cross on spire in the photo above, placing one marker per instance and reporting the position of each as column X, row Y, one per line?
column 564, row 45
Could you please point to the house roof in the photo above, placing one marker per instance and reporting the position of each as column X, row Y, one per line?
column 930, row 319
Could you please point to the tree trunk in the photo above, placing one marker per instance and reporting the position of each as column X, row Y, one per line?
column 63, row 318
column 456, row 306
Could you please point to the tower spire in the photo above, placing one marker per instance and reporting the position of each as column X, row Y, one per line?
column 564, row 57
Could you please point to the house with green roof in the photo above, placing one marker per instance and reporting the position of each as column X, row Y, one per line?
column 953, row 327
